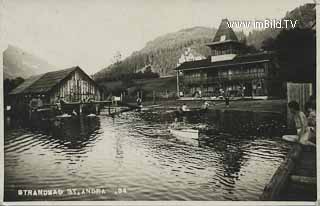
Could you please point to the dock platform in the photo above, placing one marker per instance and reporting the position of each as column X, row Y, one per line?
column 296, row 177
column 302, row 184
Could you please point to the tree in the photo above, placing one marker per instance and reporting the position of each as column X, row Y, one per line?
column 296, row 51
column 117, row 58
column 268, row 44
column 10, row 84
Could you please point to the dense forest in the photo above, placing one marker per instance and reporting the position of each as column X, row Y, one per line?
column 162, row 54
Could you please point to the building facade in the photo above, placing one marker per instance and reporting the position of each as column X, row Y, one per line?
column 70, row 85
column 229, row 70
column 189, row 55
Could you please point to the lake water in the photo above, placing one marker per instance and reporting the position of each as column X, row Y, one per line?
column 133, row 157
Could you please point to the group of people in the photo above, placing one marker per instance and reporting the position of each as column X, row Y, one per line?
column 305, row 123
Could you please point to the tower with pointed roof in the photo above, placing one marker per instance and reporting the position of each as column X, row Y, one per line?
column 225, row 41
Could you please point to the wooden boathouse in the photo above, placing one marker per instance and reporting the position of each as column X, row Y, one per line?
column 71, row 85
column 230, row 70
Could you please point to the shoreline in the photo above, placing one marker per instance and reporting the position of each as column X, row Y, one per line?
column 270, row 106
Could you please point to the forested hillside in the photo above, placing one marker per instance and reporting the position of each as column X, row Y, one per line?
column 162, row 53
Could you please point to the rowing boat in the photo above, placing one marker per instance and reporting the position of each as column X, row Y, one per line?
column 185, row 135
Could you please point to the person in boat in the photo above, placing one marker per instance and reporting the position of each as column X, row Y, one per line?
column 63, row 102
column 74, row 113
column 58, row 105
column 184, row 108
column 301, row 123
column 178, row 124
column 175, row 124
column 205, row 105
column 33, row 107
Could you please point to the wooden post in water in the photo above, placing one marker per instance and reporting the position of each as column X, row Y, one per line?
column 178, row 92
column 30, row 113
column 154, row 97
column 80, row 108
column 141, row 95
column 97, row 108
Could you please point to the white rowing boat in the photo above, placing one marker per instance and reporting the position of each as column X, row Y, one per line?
column 186, row 135
column 290, row 138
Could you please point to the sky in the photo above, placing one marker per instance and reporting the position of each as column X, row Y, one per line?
column 88, row 33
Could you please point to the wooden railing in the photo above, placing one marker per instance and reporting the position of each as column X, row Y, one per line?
column 199, row 80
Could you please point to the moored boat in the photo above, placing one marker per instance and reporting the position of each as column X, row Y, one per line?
column 185, row 134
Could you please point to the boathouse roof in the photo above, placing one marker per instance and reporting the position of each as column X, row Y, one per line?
column 237, row 60
column 44, row 83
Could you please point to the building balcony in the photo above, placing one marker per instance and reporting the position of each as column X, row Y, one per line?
column 215, row 79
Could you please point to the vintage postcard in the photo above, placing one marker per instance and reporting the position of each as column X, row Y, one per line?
column 183, row 102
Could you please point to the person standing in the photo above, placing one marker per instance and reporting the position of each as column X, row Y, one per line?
column 139, row 101
column 312, row 117
column 227, row 100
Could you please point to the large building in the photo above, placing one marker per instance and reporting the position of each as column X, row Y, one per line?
column 70, row 85
column 190, row 55
column 229, row 70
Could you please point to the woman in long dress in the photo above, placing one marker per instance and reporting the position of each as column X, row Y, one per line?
column 301, row 122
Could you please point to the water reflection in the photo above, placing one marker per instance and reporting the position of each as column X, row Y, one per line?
column 135, row 151
column 73, row 134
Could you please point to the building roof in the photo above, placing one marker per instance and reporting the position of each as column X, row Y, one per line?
column 238, row 60
column 26, row 84
column 225, row 30
column 44, row 82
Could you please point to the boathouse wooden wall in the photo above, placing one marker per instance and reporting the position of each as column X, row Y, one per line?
column 76, row 87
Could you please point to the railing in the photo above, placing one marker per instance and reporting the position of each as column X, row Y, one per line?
column 199, row 80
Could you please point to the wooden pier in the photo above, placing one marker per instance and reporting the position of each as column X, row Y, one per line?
column 296, row 177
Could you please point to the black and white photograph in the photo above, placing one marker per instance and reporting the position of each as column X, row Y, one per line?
column 172, row 102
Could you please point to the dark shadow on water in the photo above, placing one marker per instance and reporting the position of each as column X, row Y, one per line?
column 71, row 133
column 228, row 121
